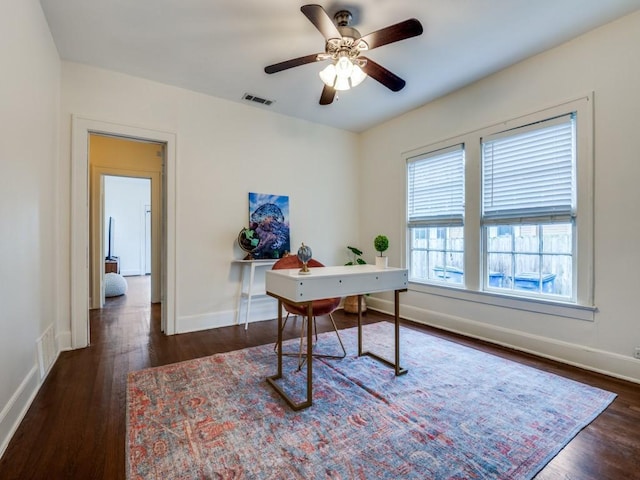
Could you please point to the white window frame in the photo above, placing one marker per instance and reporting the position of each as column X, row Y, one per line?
column 453, row 215
column 562, row 211
column 583, row 305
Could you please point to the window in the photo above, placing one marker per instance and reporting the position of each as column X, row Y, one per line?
column 533, row 258
column 506, row 211
column 528, row 208
column 436, row 213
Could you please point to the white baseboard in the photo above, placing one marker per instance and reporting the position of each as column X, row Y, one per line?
column 17, row 406
column 261, row 309
column 608, row 363
column 47, row 352
column 63, row 339
column 131, row 273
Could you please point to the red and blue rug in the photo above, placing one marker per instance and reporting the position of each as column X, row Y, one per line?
column 458, row 414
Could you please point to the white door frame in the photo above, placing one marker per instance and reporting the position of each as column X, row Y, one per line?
column 80, row 129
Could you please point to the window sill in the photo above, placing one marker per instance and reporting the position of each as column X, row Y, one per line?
column 548, row 307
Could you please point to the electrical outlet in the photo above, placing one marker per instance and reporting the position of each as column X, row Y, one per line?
column 636, row 353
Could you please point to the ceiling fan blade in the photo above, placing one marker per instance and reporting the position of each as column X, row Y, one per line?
column 294, row 62
column 382, row 75
column 317, row 15
column 393, row 33
column 328, row 93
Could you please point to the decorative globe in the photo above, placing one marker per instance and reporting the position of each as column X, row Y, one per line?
column 304, row 255
column 248, row 241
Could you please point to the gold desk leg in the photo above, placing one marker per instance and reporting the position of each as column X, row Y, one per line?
column 359, row 325
column 309, row 355
column 272, row 379
column 279, row 338
column 395, row 364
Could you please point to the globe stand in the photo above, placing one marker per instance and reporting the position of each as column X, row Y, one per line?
column 305, row 269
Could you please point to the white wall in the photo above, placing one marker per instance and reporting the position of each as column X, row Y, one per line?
column 126, row 199
column 604, row 61
column 29, row 106
column 224, row 151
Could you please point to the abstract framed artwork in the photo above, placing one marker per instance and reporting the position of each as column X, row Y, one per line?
column 269, row 219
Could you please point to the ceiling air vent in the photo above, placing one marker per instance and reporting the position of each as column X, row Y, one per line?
column 254, row 98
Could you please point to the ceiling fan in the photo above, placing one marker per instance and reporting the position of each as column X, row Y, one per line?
column 344, row 48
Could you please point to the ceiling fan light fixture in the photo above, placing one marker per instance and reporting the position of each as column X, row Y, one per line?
column 344, row 67
column 343, row 74
column 342, row 83
column 357, row 76
column 328, row 75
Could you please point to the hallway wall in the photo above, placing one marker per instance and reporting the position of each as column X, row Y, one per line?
column 29, row 243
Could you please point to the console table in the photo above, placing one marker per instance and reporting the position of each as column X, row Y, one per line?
column 248, row 293
column 291, row 286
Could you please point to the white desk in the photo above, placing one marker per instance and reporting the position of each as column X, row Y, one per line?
column 248, row 292
column 326, row 282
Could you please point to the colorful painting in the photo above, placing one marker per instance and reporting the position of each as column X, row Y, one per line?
column 269, row 218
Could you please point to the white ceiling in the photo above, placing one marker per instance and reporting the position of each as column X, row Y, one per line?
column 220, row 47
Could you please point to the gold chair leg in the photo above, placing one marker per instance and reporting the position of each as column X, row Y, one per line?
column 301, row 356
column 284, row 324
column 302, row 331
column 344, row 352
column 320, row 355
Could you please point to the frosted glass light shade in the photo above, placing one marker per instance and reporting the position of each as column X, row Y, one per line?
column 357, row 76
column 342, row 75
column 328, row 75
column 342, row 83
column 344, row 67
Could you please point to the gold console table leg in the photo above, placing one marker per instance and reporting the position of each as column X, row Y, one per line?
column 393, row 364
column 272, row 379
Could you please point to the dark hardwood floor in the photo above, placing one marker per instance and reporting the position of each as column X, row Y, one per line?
column 75, row 428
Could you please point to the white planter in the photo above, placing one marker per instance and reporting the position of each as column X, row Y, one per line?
column 382, row 262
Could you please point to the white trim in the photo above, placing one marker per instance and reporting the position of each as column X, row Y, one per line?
column 262, row 309
column 80, row 130
column 63, row 341
column 537, row 305
column 581, row 356
column 21, row 399
column 583, row 284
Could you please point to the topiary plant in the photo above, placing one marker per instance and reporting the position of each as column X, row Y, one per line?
column 381, row 243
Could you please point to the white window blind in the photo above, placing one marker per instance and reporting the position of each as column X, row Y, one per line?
column 529, row 172
column 436, row 188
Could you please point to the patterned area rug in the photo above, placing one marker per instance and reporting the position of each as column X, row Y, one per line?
column 458, row 414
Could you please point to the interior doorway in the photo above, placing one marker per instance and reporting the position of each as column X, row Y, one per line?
column 121, row 170
column 81, row 130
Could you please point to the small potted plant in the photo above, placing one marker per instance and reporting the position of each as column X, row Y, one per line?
column 356, row 255
column 381, row 244
column 350, row 304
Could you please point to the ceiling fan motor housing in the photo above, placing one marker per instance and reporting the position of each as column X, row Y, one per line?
column 343, row 18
